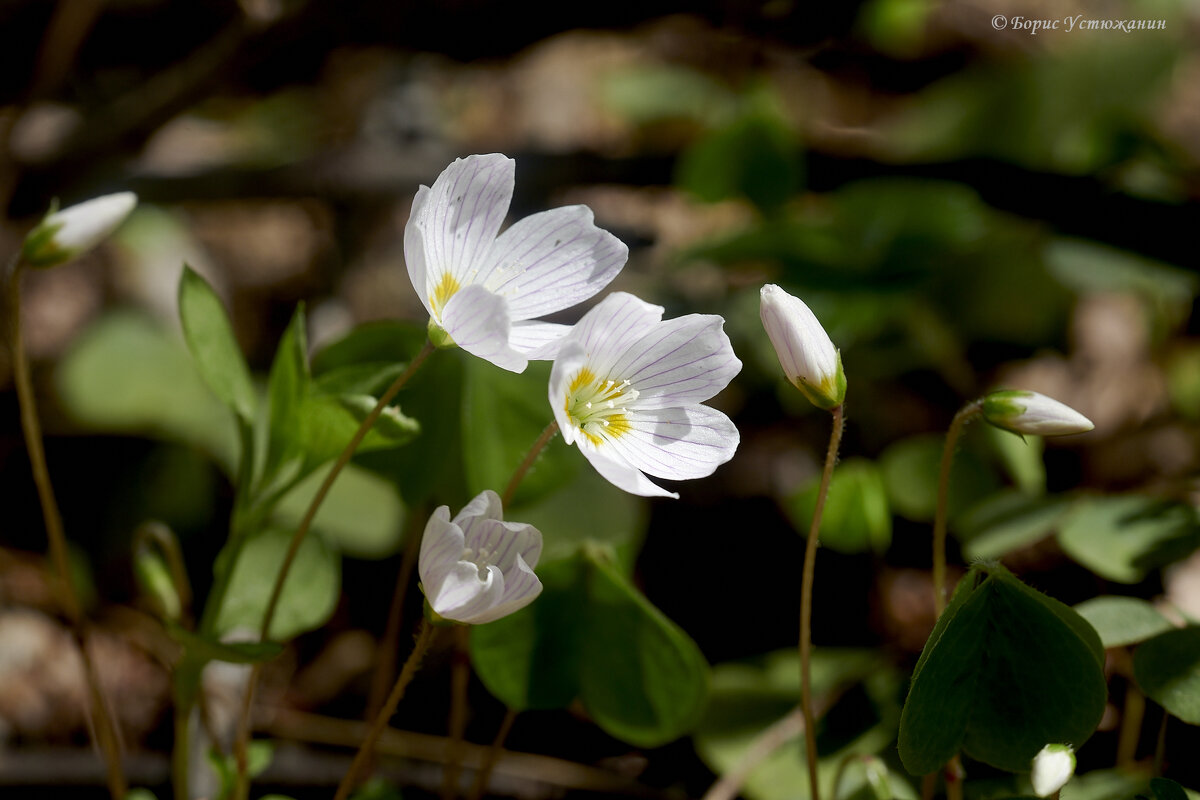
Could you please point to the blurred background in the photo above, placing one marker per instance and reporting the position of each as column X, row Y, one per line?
column 965, row 203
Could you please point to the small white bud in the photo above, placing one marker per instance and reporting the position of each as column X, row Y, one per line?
column 64, row 235
column 808, row 357
column 1033, row 413
column 1053, row 766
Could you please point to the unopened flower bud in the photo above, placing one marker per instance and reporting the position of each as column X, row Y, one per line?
column 1053, row 766
column 808, row 357
column 1033, row 413
column 66, row 234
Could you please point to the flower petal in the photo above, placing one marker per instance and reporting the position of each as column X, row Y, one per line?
column 486, row 504
column 614, row 469
column 461, row 216
column 414, row 249
column 504, row 541
column 478, row 322
column 681, row 361
column 462, row 595
column 537, row 341
column 608, row 331
column 677, row 443
column 553, row 260
column 521, row 587
column 570, row 359
column 441, row 547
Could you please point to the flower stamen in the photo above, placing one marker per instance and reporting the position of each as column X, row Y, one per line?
column 597, row 407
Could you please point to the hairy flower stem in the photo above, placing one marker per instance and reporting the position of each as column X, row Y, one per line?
column 105, row 731
column 425, row 633
column 964, row 415
column 527, row 463
column 806, row 591
column 241, row 785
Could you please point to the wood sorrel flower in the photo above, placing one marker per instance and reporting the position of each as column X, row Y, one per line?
column 1033, row 413
column 627, row 388
column 64, row 235
column 808, row 357
column 1053, row 766
column 476, row 567
column 482, row 291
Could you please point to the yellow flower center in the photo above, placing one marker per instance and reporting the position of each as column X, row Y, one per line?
column 597, row 407
column 442, row 293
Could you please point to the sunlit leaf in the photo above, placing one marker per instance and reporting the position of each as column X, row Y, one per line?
column 1123, row 538
column 856, row 517
column 209, row 336
column 1122, row 620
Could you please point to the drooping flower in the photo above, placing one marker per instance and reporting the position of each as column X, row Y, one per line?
column 477, row 568
column 1053, row 766
column 1033, row 413
column 808, row 357
column 627, row 387
column 71, row 232
column 483, row 291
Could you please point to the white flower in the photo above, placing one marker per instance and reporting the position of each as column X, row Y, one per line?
column 808, row 357
column 627, row 387
column 482, row 291
column 65, row 234
column 1033, row 413
column 476, row 567
column 1053, row 766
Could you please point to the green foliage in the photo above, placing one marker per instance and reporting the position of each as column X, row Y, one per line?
column 309, row 596
column 311, row 422
column 258, row 757
column 503, row 413
column 1167, row 668
column 856, row 517
column 1005, row 670
column 203, row 649
column 1123, row 538
column 362, row 515
column 755, row 156
column 1122, row 621
column 1008, row 520
column 127, row 374
column 587, row 512
column 210, row 338
column 748, row 698
column 592, row 636
column 910, row 469
column 1166, row 789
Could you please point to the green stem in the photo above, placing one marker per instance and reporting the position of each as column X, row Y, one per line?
column 424, row 637
column 964, row 415
column 242, row 740
column 527, row 463
column 806, row 591
column 105, row 728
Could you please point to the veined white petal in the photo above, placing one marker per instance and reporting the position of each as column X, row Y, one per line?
column 553, row 260
column 1033, row 413
column 478, row 322
column 570, row 360
column 608, row 330
column 484, row 505
column 621, row 474
column 521, row 587
column 537, row 341
column 679, row 362
column 441, row 547
column 463, row 595
column 677, row 443
column 503, row 541
column 414, row 249
column 461, row 216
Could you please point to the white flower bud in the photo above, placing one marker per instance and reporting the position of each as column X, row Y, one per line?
column 808, row 357
column 1053, row 766
column 64, row 235
column 1033, row 413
